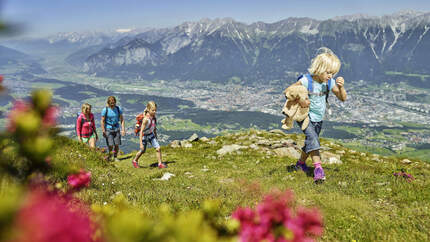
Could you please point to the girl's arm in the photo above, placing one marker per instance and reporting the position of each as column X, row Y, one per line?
column 78, row 127
column 93, row 123
column 142, row 127
column 339, row 89
column 102, row 122
column 121, row 118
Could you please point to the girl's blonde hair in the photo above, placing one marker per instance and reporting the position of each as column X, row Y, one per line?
column 325, row 61
column 150, row 106
column 85, row 107
column 109, row 99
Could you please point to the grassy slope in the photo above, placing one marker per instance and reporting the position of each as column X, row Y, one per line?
column 361, row 199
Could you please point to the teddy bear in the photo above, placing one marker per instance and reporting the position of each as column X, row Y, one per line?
column 292, row 109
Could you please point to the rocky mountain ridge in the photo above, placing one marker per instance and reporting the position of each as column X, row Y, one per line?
column 221, row 49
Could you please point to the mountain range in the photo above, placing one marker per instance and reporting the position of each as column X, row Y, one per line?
column 220, row 50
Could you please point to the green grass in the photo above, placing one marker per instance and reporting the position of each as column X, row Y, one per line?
column 394, row 73
column 361, row 199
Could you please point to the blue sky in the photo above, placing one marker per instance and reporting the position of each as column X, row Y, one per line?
column 42, row 17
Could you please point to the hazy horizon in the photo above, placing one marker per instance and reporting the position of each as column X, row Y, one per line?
column 39, row 18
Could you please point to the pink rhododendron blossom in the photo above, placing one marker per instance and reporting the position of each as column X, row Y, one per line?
column 275, row 220
column 49, row 217
column 79, row 180
column 19, row 106
column 50, row 117
column 1, row 83
column 405, row 175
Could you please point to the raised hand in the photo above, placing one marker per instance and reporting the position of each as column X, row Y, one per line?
column 340, row 81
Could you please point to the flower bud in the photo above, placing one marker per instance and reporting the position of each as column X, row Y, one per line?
column 232, row 225
column 211, row 207
column 27, row 123
column 38, row 148
column 41, row 99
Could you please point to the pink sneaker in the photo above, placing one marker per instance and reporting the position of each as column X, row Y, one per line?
column 135, row 164
column 319, row 175
column 162, row 165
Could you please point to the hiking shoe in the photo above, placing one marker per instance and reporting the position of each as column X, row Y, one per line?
column 162, row 165
column 302, row 166
column 319, row 175
column 135, row 164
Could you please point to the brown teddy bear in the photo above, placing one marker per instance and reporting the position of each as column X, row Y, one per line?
column 292, row 109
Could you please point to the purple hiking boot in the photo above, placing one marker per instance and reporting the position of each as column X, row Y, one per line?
column 302, row 166
column 319, row 175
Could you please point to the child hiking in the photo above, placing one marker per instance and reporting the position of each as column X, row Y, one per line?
column 319, row 81
column 110, row 122
column 86, row 127
column 148, row 134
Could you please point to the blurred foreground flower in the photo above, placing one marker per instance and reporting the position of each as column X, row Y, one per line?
column 1, row 83
column 51, row 217
column 79, row 180
column 50, row 117
column 275, row 220
column 19, row 108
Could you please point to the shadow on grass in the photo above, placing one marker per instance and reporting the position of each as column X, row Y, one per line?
column 310, row 172
column 155, row 164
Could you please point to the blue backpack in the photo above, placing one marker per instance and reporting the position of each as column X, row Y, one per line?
column 311, row 87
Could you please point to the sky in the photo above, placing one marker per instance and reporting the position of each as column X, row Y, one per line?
column 44, row 17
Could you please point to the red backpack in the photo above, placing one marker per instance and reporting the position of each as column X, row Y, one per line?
column 139, row 121
column 138, row 125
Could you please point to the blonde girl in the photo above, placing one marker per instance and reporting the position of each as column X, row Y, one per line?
column 86, row 127
column 322, row 70
column 148, row 134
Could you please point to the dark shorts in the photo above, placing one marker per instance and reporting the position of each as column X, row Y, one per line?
column 151, row 139
column 113, row 137
column 312, row 133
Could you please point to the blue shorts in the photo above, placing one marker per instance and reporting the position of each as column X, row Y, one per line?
column 312, row 133
column 150, row 138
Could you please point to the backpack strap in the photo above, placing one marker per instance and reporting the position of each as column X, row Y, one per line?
column 311, row 87
column 310, row 83
column 328, row 90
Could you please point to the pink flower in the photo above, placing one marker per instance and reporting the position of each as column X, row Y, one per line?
column 274, row 220
column 274, row 207
column 50, row 117
column 405, row 175
column 307, row 222
column 49, row 217
column 19, row 106
column 79, row 180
